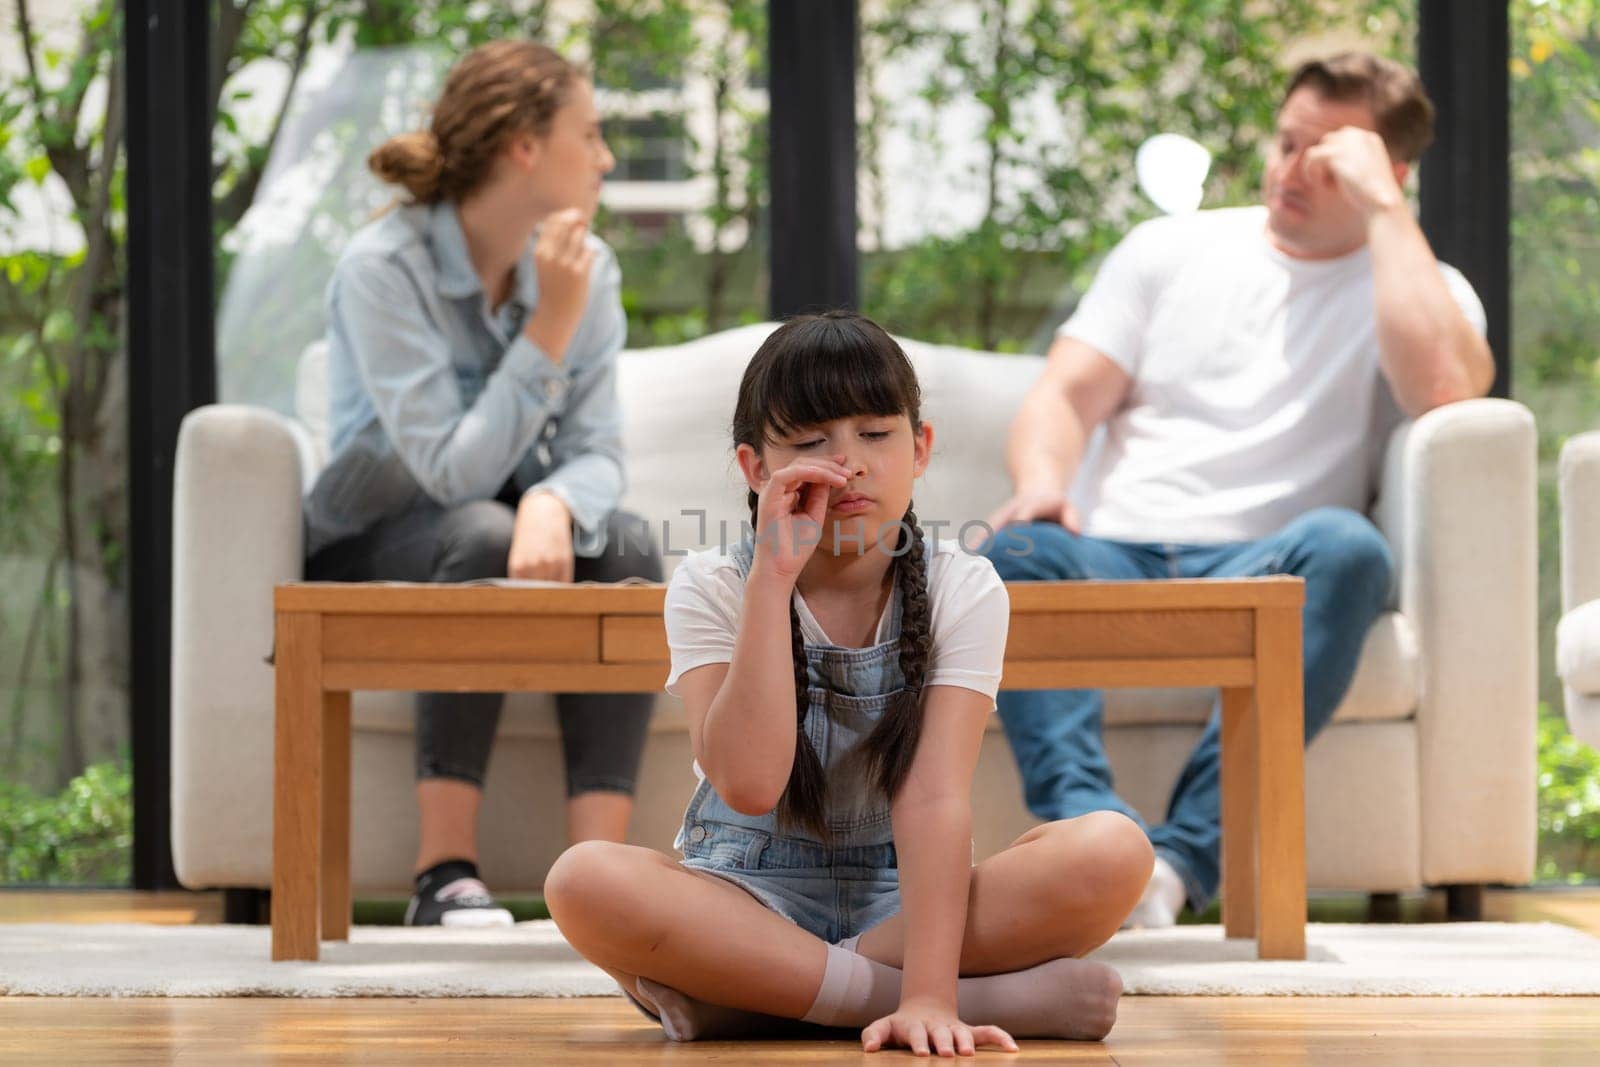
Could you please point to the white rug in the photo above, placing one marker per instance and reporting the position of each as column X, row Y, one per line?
column 531, row 960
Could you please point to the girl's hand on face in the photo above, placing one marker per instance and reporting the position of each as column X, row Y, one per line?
column 562, row 258
column 925, row 1028
column 789, row 513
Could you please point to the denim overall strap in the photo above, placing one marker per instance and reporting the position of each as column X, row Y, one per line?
column 849, row 690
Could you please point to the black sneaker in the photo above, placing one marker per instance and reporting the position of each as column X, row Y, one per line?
column 451, row 894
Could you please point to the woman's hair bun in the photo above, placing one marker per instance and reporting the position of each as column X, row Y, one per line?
column 411, row 160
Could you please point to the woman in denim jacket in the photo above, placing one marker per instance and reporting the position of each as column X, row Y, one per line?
column 472, row 344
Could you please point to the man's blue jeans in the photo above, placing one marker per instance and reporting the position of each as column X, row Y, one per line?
column 1056, row 734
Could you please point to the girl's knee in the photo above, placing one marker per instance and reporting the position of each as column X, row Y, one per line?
column 586, row 880
column 1121, row 849
column 1106, row 855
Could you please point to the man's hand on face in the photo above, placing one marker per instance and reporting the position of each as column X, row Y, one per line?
column 1357, row 162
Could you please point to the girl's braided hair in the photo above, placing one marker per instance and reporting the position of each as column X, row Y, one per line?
column 813, row 369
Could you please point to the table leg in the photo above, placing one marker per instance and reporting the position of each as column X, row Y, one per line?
column 1239, row 812
column 1280, row 784
column 297, row 787
column 336, row 816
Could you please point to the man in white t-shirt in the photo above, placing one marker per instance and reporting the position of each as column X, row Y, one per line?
column 1244, row 363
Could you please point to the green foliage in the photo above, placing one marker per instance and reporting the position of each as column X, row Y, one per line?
column 1555, row 167
column 1058, row 178
column 1555, row 265
column 1569, row 804
column 640, row 44
column 83, row 835
column 454, row 24
column 718, row 48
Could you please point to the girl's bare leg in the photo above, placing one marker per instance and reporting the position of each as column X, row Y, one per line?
column 1058, row 891
column 635, row 912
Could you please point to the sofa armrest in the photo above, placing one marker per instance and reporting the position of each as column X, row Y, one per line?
column 1579, row 480
column 236, row 533
column 1459, row 506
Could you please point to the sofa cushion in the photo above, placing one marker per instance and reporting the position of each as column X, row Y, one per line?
column 677, row 407
column 311, row 399
column 1583, row 717
column 1578, row 648
column 1387, row 684
column 969, row 398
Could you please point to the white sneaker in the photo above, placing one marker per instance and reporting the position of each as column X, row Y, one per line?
column 1163, row 898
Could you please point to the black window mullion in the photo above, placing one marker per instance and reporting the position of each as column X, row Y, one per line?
column 812, row 59
column 1462, row 50
column 171, row 366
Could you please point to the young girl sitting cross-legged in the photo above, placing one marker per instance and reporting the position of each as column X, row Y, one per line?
column 837, row 671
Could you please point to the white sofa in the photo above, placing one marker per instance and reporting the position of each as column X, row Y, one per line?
column 1578, row 632
column 1425, row 777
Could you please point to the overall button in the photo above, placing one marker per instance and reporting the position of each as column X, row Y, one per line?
column 698, row 834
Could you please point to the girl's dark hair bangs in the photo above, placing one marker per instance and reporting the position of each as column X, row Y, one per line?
column 821, row 369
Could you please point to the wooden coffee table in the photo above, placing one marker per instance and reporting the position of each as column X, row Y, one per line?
column 1241, row 635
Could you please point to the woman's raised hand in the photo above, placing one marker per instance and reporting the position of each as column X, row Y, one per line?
column 790, row 510
column 562, row 257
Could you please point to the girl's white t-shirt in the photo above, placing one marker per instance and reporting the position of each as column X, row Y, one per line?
column 970, row 614
column 1257, row 393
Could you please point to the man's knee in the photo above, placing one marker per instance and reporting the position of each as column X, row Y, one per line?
column 1032, row 552
column 1345, row 548
column 475, row 542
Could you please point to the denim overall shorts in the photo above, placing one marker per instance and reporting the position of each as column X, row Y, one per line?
column 851, row 883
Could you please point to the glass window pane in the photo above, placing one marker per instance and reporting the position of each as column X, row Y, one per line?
column 65, row 787
column 649, row 149
column 1555, row 318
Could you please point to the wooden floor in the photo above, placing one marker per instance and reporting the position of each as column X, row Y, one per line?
column 1188, row 1031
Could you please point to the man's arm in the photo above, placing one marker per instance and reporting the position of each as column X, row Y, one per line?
column 1079, row 389
column 1431, row 354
